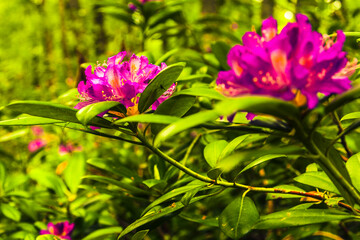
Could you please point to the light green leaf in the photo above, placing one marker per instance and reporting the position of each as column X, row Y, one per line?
column 201, row 92
column 166, row 56
column 293, row 218
column 213, row 150
column 47, row 237
column 231, row 147
column 28, row 121
column 318, row 180
column 86, row 114
column 140, row 235
column 159, row 85
column 195, row 77
column 74, row 171
column 262, row 160
column 101, row 233
column 10, row 212
column 353, row 115
column 353, row 167
column 14, row 135
column 238, row 217
column 149, row 118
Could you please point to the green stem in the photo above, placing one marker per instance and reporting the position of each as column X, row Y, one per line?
column 200, row 177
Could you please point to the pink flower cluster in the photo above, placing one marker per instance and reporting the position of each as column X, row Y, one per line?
column 296, row 63
column 120, row 81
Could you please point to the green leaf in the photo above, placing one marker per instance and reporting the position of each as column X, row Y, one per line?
column 101, row 233
column 353, row 115
column 86, row 114
column 214, row 173
column 49, row 179
column 189, row 195
column 175, row 106
column 353, row 167
column 14, row 135
column 212, row 152
column 149, row 118
column 28, row 121
column 128, row 187
column 220, row 50
column 52, row 110
column 10, row 212
column 318, row 180
column 293, row 218
column 230, row 148
column 114, row 167
column 262, row 160
column 140, row 235
column 173, row 193
column 343, row 99
column 281, row 195
column 74, row 171
column 159, row 85
column 47, row 237
column 238, row 217
column 201, row 92
column 166, row 56
column 152, row 216
column 183, row 124
column 196, row 77
column 2, row 177
column 212, row 222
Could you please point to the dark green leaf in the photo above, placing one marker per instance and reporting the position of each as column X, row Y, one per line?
column 159, row 85
column 212, row 222
column 343, row 99
column 221, row 49
column 238, row 217
column 293, row 218
column 189, row 195
column 128, row 187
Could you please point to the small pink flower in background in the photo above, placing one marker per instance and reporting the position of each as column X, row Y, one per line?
column 37, row 131
column 62, row 230
column 36, row 145
column 294, row 65
column 68, row 148
column 132, row 7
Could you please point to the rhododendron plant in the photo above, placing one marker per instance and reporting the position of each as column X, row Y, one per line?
column 295, row 64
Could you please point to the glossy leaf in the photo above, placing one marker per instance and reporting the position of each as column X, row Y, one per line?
column 86, row 114
column 238, row 218
column 213, row 150
column 28, row 121
column 353, row 167
column 101, row 233
column 159, row 85
column 318, row 180
column 293, row 218
column 262, row 160
column 10, row 212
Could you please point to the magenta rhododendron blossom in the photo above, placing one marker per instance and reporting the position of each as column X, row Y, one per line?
column 62, row 230
column 36, row 144
column 295, row 64
column 120, row 81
